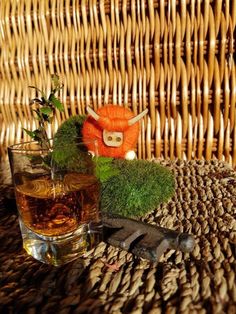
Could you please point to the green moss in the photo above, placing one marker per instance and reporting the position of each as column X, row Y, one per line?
column 70, row 130
column 65, row 149
column 139, row 188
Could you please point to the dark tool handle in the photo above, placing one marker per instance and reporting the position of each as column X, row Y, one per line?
column 144, row 240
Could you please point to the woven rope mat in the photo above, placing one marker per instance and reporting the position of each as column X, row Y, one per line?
column 200, row 282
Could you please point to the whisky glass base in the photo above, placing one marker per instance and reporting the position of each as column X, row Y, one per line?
column 59, row 250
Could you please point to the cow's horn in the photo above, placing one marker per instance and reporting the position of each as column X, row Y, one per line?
column 137, row 118
column 93, row 113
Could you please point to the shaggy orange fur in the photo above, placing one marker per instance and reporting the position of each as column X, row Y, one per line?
column 112, row 118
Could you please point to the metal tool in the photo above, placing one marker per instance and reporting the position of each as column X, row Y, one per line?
column 144, row 240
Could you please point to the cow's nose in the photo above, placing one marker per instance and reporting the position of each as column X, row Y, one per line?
column 112, row 138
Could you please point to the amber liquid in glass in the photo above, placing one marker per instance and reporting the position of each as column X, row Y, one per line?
column 58, row 207
column 59, row 219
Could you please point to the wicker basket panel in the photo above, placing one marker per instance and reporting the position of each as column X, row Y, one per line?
column 175, row 58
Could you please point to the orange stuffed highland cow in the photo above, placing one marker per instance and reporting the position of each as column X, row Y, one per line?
column 115, row 128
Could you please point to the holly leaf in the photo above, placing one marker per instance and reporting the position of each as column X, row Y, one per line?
column 30, row 133
column 56, row 102
column 105, row 168
column 46, row 110
column 104, row 160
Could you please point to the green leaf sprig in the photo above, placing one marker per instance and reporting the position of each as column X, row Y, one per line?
column 105, row 169
column 45, row 112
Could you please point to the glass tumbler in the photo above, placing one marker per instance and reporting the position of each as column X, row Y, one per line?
column 57, row 196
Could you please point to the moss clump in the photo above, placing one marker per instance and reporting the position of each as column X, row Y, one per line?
column 139, row 188
column 65, row 148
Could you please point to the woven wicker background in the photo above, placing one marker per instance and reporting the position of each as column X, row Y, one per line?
column 174, row 57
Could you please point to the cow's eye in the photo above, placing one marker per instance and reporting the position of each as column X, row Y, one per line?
column 109, row 138
column 118, row 139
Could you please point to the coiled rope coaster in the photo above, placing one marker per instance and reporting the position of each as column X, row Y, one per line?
column 111, row 280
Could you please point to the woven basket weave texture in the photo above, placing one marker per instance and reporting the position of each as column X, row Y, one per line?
column 112, row 281
column 176, row 58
